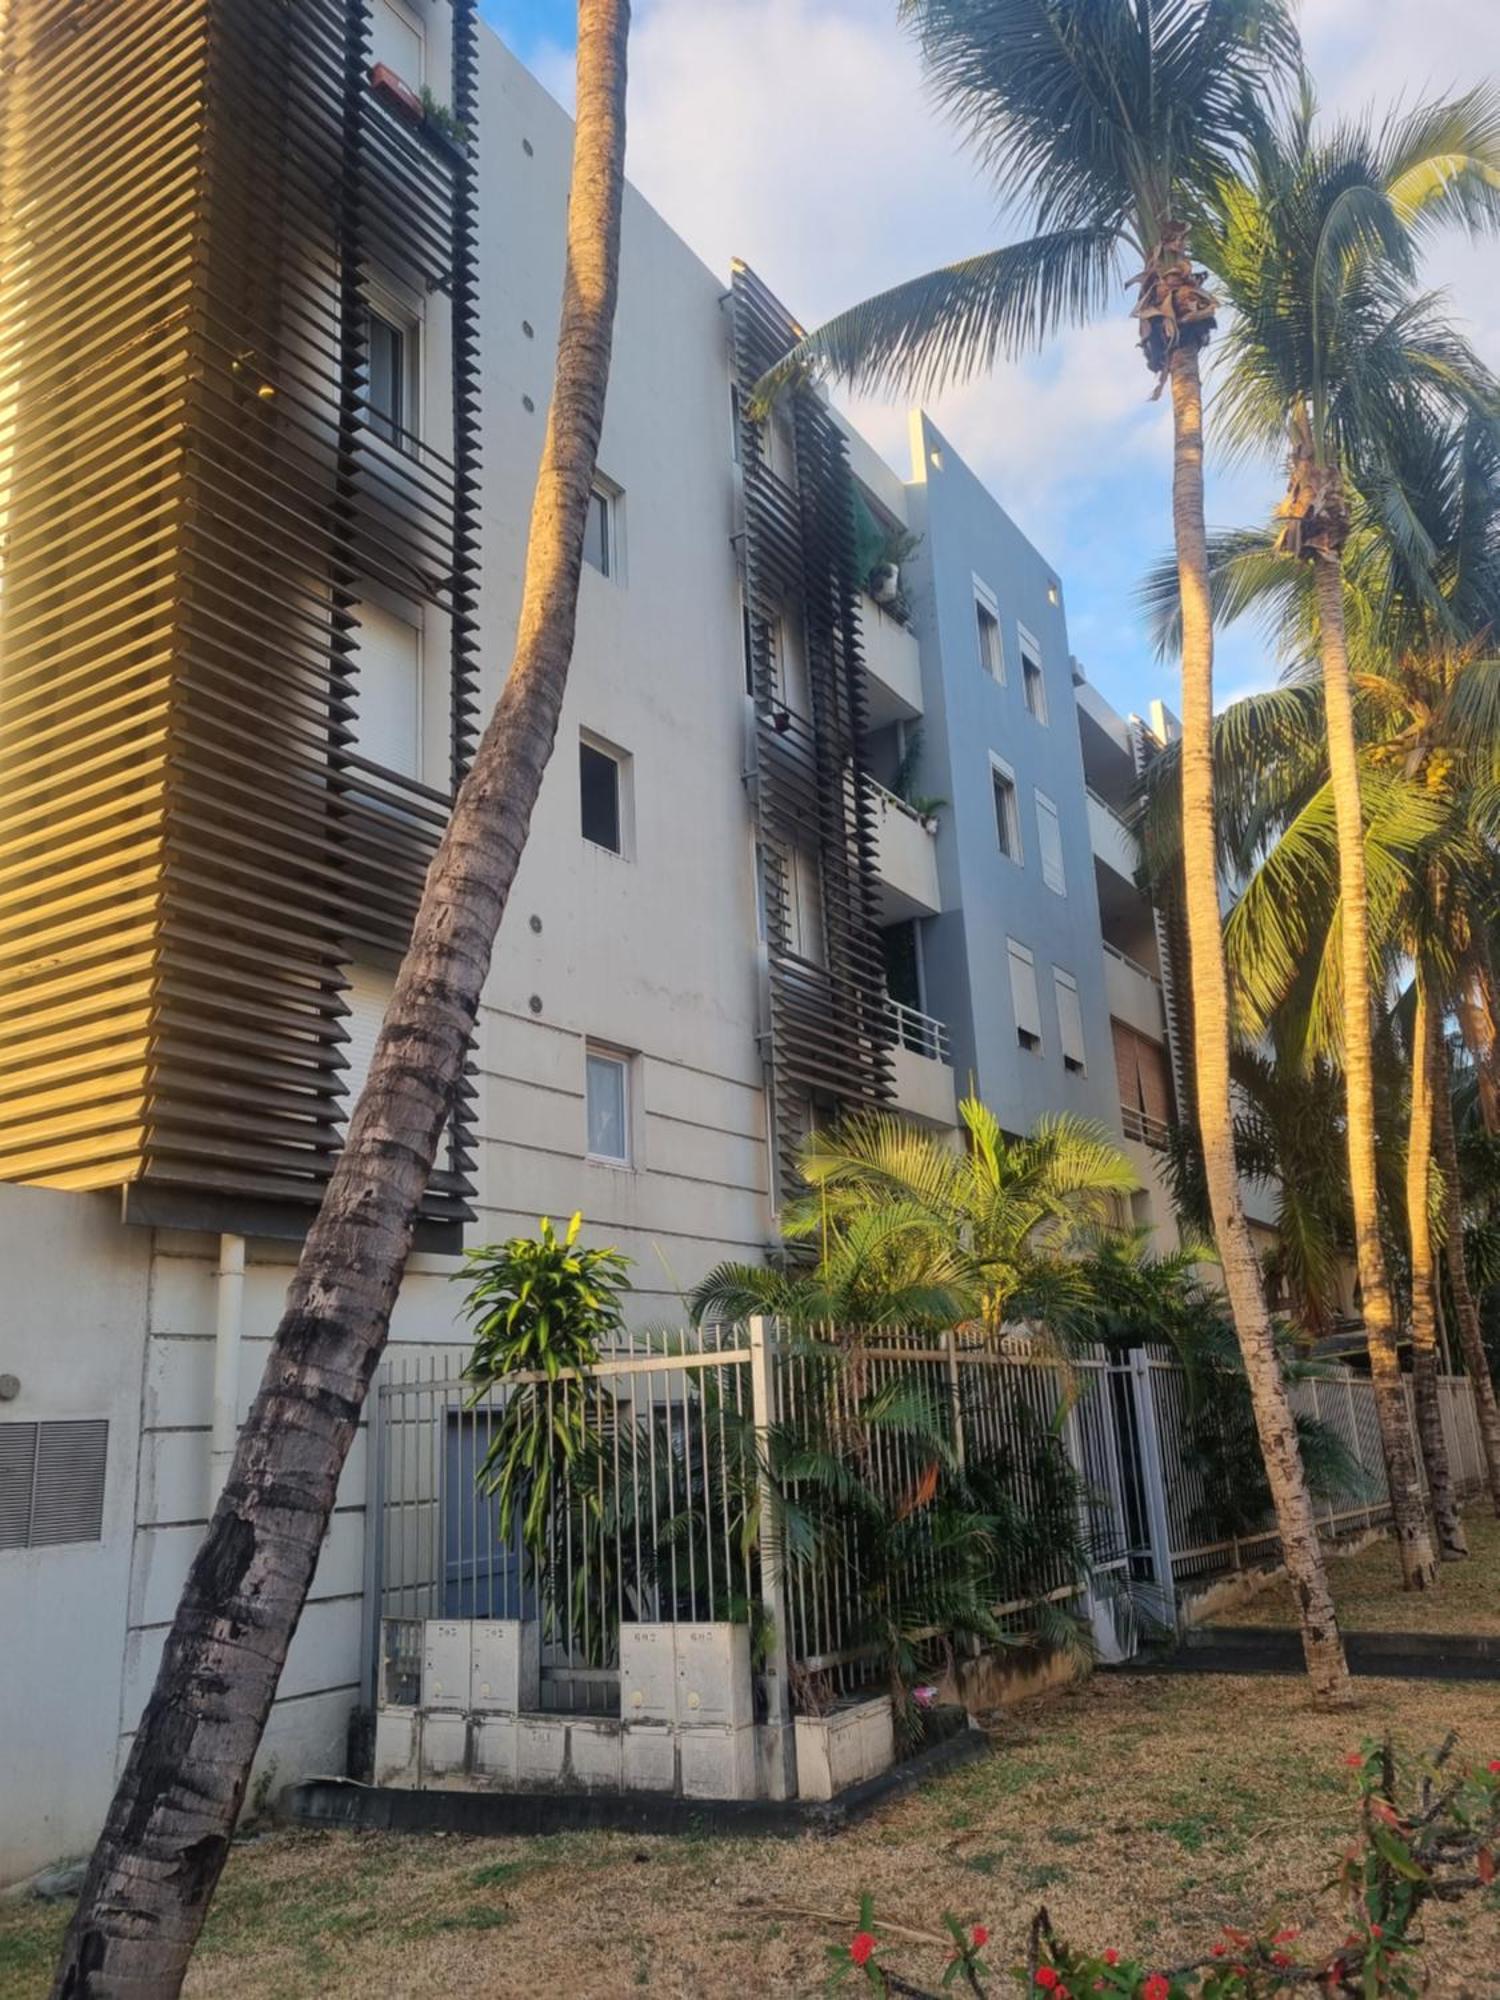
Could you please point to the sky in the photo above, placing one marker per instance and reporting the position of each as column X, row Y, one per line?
column 798, row 135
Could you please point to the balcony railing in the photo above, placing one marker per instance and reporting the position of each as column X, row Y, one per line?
column 888, row 800
column 1133, row 964
column 922, row 1034
column 1144, row 1129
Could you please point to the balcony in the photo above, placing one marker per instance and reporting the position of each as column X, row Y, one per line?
column 1133, row 994
column 893, row 665
column 1113, row 843
column 1145, row 1130
column 905, row 858
column 922, row 1066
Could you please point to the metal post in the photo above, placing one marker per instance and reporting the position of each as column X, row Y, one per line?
column 781, row 1737
column 955, row 1396
column 375, row 1471
column 1153, row 1485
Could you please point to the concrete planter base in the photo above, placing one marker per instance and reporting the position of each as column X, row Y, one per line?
column 845, row 1748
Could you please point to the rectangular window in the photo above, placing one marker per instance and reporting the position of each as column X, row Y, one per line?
column 600, row 800
column 599, row 536
column 789, row 663
column 1023, row 995
column 397, row 40
column 388, row 689
column 736, row 423
column 390, row 369
column 1033, row 681
column 1069, row 1022
column 1007, row 809
column 987, row 622
column 1049, row 845
column 52, row 1482
column 607, row 1089
column 806, row 915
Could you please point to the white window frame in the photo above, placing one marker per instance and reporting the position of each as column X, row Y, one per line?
column 1031, row 658
column 624, row 765
column 1016, row 852
column 985, row 601
column 613, row 497
column 1074, row 1047
column 385, row 301
column 1054, row 868
column 604, row 1053
column 1023, row 987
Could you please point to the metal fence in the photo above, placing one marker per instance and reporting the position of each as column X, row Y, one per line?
column 669, row 1516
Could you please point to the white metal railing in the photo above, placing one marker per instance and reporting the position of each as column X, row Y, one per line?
column 922, row 1034
column 887, row 800
column 1132, row 964
column 1146, row 1130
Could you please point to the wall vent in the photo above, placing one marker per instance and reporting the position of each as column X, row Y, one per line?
column 52, row 1482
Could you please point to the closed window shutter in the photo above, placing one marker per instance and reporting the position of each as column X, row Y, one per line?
column 1126, row 1069
column 52, row 1482
column 1156, row 1080
column 395, row 42
column 1023, row 991
column 388, row 691
column 1049, row 843
column 1069, row 1019
column 368, row 997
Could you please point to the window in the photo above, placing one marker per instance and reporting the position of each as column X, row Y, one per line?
column 805, row 887
column 1023, row 995
column 601, row 534
column 1007, row 809
column 397, row 40
column 987, row 620
column 52, row 1482
column 600, row 797
column 367, row 996
column 1145, row 1080
column 736, row 422
column 607, row 1091
column 388, row 690
column 393, row 382
column 789, row 663
column 1033, row 681
column 1069, row 1022
column 1049, row 843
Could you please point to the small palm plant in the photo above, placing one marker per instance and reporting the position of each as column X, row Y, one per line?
column 543, row 1309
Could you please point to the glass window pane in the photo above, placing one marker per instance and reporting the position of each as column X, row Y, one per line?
column 387, row 378
column 599, row 789
column 596, row 548
column 606, row 1107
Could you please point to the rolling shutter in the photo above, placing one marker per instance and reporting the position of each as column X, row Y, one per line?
column 1049, row 843
column 1023, row 992
column 388, row 691
column 1069, row 1019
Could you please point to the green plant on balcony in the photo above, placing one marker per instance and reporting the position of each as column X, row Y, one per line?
column 438, row 118
column 904, row 784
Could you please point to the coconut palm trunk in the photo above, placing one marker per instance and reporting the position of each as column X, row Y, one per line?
column 168, row 1831
column 1274, row 1421
column 1424, row 1301
column 1408, row 1508
column 1470, row 1338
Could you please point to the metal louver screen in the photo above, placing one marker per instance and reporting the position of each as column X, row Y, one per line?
column 52, row 1482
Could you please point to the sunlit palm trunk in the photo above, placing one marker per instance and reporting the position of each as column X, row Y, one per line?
column 167, row 1835
column 1470, row 1338
column 1409, row 1513
column 1424, row 1306
column 1274, row 1421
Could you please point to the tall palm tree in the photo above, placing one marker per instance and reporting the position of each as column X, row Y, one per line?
column 1315, row 244
column 1105, row 124
column 164, row 1843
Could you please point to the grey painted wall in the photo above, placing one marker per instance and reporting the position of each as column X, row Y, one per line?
column 986, row 896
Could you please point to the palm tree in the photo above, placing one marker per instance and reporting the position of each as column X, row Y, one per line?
column 164, row 1843
column 1107, row 123
column 1315, row 244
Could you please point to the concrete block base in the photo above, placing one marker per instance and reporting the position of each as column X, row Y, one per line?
column 843, row 1749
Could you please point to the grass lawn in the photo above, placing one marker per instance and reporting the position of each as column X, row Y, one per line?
column 1143, row 1811
column 1367, row 1590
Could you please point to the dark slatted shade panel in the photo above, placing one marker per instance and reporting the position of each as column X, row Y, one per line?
column 830, row 1035
column 52, row 1482
column 193, row 852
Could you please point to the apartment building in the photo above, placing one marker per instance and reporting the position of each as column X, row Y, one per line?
column 280, row 289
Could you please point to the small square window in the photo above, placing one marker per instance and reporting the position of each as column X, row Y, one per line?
column 607, row 1089
column 599, row 539
column 991, row 651
column 1007, row 811
column 599, row 798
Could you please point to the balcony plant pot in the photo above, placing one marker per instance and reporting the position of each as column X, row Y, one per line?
column 395, row 92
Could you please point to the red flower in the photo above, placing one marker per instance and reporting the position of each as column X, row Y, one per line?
column 1494, row 1766
column 1280, row 1958
column 1047, row 1978
column 1355, row 1760
column 1156, row 1988
column 1376, row 1931
column 861, row 1945
column 1285, row 1937
column 1218, row 1950
column 1111, row 1957
column 979, row 1936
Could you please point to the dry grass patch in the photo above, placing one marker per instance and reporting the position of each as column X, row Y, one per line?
column 1144, row 1811
column 1367, row 1590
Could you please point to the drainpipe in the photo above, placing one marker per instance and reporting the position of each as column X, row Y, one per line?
column 229, row 1304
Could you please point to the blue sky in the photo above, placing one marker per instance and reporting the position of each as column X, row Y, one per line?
column 796, row 134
